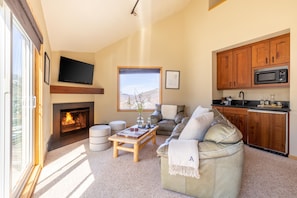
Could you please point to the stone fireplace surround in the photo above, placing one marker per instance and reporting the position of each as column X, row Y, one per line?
column 56, row 140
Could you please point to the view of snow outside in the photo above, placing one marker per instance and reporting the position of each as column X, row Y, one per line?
column 144, row 86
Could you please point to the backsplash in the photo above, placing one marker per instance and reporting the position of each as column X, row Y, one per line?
column 280, row 94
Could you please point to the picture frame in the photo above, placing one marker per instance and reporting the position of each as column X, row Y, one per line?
column 46, row 68
column 172, row 78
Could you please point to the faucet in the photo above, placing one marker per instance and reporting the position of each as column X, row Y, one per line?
column 242, row 101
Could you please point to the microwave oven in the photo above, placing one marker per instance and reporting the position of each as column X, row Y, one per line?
column 271, row 75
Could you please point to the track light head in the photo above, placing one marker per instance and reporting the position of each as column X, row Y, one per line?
column 133, row 12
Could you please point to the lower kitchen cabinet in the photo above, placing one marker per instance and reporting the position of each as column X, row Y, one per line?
column 268, row 130
column 237, row 116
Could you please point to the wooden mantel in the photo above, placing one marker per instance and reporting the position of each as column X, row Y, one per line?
column 75, row 90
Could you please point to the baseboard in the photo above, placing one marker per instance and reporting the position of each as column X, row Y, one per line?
column 292, row 157
column 31, row 183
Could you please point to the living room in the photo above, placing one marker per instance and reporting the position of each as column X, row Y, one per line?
column 186, row 41
column 195, row 59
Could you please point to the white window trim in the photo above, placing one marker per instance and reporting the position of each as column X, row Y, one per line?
column 5, row 102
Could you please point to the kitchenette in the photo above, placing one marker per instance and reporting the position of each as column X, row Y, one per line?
column 252, row 91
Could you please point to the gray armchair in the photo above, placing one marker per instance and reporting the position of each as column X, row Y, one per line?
column 167, row 117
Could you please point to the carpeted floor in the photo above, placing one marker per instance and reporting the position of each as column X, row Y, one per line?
column 75, row 171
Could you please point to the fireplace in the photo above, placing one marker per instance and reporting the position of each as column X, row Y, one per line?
column 71, row 123
column 72, row 120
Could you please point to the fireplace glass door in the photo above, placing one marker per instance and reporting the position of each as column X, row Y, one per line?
column 74, row 120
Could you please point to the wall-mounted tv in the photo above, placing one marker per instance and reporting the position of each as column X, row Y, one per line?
column 75, row 71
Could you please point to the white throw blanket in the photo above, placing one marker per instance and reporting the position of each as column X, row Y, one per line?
column 183, row 158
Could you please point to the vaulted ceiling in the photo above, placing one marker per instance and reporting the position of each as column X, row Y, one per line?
column 90, row 25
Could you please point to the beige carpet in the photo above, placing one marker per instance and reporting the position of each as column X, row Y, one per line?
column 75, row 171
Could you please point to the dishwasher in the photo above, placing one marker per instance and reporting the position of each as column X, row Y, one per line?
column 268, row 130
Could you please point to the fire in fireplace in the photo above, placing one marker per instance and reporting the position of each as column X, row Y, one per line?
column 71, row 123
column 72, row 120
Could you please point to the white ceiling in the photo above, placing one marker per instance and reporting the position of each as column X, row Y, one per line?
column 90, row 25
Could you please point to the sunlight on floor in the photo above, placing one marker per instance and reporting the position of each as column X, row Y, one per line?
column 55, row 174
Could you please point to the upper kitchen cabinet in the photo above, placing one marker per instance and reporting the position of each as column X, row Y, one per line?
column 242, row 66
column 225, row 70
column 234, row 68
column 274, row 51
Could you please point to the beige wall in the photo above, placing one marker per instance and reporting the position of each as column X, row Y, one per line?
column 43, row 95
column 233, row 23
column 187, row 42
column 160, row 45
column 66, row 98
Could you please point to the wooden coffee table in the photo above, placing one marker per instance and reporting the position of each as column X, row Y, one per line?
column 119, row 142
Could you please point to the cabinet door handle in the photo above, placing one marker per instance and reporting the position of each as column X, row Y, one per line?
column 266, row 60
column 272, row 59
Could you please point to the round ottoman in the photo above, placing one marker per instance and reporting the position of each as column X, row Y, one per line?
column 117, row 125
column 98, row 137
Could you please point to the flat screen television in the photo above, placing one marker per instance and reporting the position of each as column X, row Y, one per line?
column 75, row 71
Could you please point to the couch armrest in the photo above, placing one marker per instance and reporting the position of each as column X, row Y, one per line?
column 185, row 120
column 156, row 116
column 162, row 151
column 207, row 150
column 210, row 150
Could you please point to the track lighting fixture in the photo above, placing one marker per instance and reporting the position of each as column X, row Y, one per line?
column 133, row 10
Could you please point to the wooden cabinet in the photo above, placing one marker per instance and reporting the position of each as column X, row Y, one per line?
column 219, row 108
column 237, row 116
column 268, row 130
column 275, row 51
column 242, row 67
column 225, row 70
column 234, row 68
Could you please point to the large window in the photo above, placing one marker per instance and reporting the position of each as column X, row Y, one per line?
column 21, row 109
column 16, row 104
column 141, row 83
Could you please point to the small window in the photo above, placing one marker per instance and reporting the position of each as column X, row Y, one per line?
column 142, row 84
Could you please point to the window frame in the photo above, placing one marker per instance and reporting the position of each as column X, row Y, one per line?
column 137, row 67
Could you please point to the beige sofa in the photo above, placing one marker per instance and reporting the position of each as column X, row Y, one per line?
column 221, row 157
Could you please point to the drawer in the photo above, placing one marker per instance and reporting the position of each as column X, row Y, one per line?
column 234, row 110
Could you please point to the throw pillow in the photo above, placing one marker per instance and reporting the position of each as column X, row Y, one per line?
column 222, row 133
column 199, row 110
column 168, row 111
column 197, row 126
column 179, row 117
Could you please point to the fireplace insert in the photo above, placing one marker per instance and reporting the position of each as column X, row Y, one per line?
column 71, row 123
column 72, row 120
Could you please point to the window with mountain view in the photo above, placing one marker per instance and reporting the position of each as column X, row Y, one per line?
column 142, row 84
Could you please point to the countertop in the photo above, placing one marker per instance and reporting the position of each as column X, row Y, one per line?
column 253, row 104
